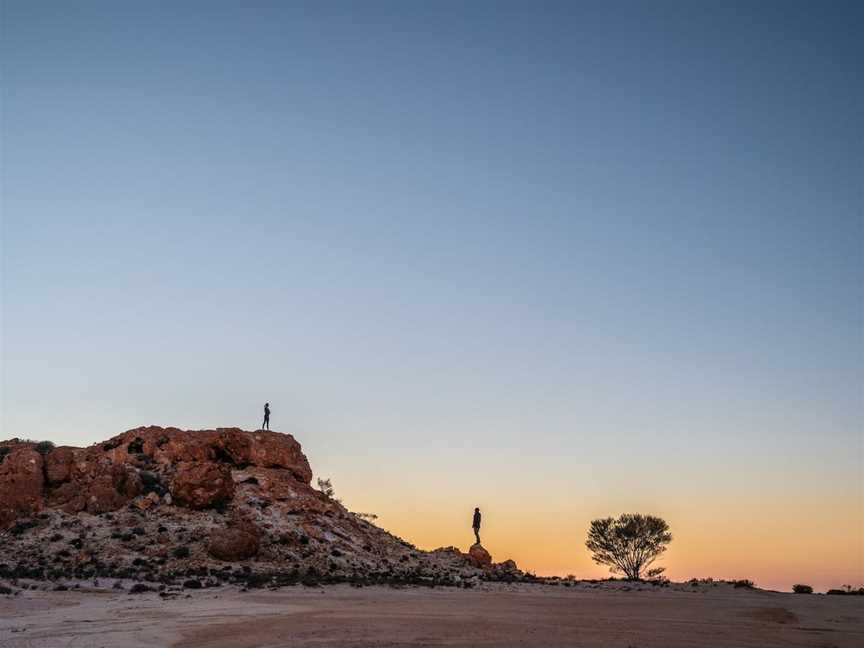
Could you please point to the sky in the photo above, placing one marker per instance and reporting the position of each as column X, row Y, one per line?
column 556, row 260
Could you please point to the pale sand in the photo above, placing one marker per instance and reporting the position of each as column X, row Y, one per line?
column 522, row 615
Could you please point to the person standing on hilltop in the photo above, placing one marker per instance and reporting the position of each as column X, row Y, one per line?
column 266, row 424
column 475, row 524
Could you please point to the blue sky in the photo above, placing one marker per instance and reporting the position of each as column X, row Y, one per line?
column 444, row 239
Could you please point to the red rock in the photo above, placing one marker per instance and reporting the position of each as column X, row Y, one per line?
column 195, row 466
column 145, row 502
column 58, row 465
column 239, row 542
column 272, row 484
column 237, row 446
column 506, row 567
column 68, row 497
column 21, row 483
column 114, row 486
column 275, row 450
column 479, row 557
column 201, row 485
column 226, row 445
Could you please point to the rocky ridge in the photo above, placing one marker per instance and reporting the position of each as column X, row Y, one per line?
column 187, row 508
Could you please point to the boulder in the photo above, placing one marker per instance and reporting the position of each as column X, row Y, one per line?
column 238, row 542
column 506, row 570
column 507, row 566
column 275, row 450
column 112, row 487
column 202, row 485
column 479, row 557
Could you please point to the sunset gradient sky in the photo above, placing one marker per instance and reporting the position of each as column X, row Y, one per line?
column 556, row 260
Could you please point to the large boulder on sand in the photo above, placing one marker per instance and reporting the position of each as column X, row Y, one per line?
column 202, row 485
column 479, row 557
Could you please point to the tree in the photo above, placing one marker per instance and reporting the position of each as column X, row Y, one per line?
column 326, row 487
column 630, row 544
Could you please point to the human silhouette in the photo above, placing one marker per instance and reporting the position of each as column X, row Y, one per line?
column 475, row 524
column 266, row 424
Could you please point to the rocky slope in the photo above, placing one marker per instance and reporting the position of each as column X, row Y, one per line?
column 197, row 508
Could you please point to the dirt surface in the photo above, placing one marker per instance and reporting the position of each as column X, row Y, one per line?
column 494, row 615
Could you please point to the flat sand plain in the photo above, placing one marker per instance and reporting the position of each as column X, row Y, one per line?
column 494, row 615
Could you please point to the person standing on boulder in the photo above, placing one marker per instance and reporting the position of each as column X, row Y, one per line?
column 266, row 424
column 475, row 524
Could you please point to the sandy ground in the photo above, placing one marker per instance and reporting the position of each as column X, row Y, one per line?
column 500, row 615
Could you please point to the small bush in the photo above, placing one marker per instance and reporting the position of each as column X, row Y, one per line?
column 136, row 446
column 326, row 487
column 4, row 450
column 802, row 589
column 744, row 582
column 44, row 447
column 847, row 590
column 152, row 483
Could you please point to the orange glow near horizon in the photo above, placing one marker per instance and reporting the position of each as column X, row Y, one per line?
column 775, row 538
column 775, row 557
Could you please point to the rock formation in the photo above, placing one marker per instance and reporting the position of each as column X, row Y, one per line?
column 163, row 504
column 478, row 556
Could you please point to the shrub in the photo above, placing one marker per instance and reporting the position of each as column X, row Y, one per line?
column 44, row 447
column 630, row 544
column 326, row 487
column 802, row 589
column 4, row 450
column 151, row 483
column 847, row 590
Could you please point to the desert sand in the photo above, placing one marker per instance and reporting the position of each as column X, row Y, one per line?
column 492, row 615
